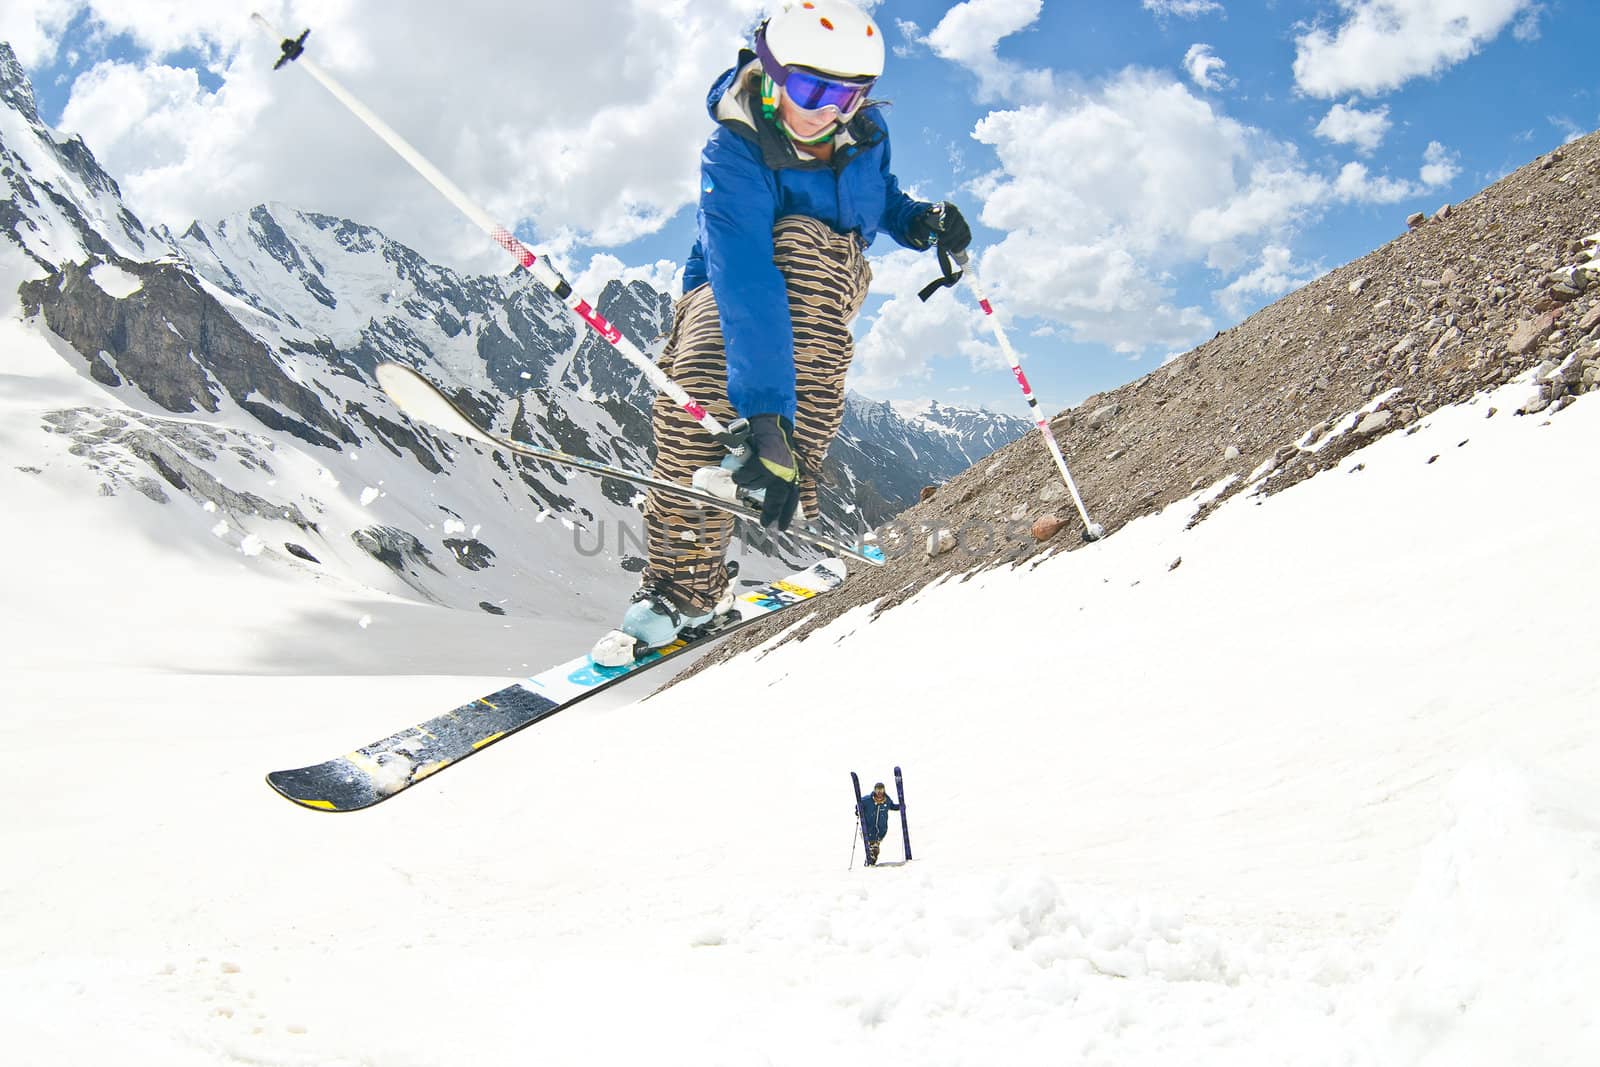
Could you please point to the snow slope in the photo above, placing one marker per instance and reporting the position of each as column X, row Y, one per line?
column 1322, row 793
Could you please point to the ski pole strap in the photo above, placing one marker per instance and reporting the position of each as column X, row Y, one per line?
column 952, row 274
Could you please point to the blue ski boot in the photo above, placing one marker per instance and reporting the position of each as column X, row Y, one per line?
column 653, row 621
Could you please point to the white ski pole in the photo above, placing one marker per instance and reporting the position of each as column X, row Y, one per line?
column 294, row 52
column 1092, row 531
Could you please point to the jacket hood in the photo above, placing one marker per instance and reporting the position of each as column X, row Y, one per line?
column 724, row 87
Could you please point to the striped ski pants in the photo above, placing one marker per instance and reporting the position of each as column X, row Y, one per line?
column 827, row 276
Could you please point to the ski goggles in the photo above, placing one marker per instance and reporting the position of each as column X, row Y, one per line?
column 812, row 90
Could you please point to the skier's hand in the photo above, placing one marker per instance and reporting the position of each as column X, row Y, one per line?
column 944, row 225
column 954, row 233
column 774, row 467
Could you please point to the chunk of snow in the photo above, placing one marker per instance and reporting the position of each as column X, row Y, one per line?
column 115, row 281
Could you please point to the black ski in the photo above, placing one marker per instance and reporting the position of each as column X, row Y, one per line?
column 861, row 816
column 375, row 772
column 900, row 795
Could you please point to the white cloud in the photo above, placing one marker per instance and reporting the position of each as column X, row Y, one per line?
column 1570, row 131
column 1101, row 192
column 906, row 336
column 969, row 34
column 545, row 136
column 1206, row 68
column 1440, row 166
column 1382, row 44
column 1107, row 196
column 1527, row 27
column 1276, row 275
column 1348, row 124
column 663, row 275
column 33, row 28
column 1356, row 183
column 1186, row 9
column 912, row 34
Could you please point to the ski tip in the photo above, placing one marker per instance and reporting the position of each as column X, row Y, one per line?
column 393, row 376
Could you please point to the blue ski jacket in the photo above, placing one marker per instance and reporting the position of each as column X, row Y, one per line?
column 750, row 176
column 875, row 817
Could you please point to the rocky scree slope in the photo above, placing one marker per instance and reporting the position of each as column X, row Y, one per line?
column 1465, row 300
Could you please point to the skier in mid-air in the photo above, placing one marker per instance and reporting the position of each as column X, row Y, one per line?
column 874, row 810
column 795, row 184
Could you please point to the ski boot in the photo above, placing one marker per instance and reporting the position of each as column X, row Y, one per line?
column 653, row 621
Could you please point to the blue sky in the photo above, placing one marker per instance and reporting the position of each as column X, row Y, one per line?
column 1140, row 173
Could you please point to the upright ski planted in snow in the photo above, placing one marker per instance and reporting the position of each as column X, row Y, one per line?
column 861, row 816
column 421, row 400
column 900, row 797
column 375, row 772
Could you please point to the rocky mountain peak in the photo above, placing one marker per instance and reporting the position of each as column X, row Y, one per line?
column 16, row 90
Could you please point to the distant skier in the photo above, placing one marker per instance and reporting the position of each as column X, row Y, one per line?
column 875, row 809
column 794, row 185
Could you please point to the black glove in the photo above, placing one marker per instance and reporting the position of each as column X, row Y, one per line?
column 942, row 224
column 774, row 467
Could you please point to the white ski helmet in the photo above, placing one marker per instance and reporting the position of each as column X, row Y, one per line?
column 831, row 36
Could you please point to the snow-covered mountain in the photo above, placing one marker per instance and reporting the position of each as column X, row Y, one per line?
column 1295, row 767
column 893, row 455
column 260, row 333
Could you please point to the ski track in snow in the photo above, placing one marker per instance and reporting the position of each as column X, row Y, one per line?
column 1323, row 794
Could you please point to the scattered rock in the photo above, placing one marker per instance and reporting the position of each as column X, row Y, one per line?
column 940, row 542
column 1358, row 285
column 927, row 493
column 1103, row 415
column 1529, row 334
column 1415, row 219
column 1047, row 526
column 1175, row 564
column 1446, row 339
column 1443, row 213
column 470, row 553
column 1373, row 422
column 1052, row 491
column 1231, row 453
